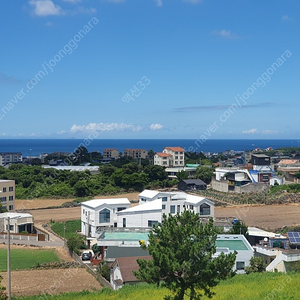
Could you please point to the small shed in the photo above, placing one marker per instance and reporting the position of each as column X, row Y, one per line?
column 121, row 272
column 192, row 184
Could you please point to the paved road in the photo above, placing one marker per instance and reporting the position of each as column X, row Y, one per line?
column 34, row 243
column 54, row 240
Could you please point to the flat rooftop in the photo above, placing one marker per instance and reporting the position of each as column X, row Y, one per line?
column 231, row 244
column 125, row 236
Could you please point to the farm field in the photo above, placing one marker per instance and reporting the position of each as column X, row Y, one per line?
column 264, row 286
column 52, row 281
column 70, row 228
column 23, row 258
column 44, row 203
column 264, row 216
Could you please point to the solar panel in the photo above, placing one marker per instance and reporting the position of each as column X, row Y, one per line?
column 294, row 237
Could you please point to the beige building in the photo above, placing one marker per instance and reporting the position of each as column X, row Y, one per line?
column 170, row 157
column 19, row 222
column 110, row 153
column 136, row 153
column 7, row 194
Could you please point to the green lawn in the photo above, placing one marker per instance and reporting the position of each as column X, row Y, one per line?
column 71, row 227
column 26, row 258
column 265, row 286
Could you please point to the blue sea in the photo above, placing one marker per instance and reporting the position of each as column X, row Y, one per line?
column 34, row 147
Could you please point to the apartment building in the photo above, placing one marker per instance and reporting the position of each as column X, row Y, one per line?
column 170, row 157
column 136, row 153
column 7, row 194
column 10, row 157
column 111, row 153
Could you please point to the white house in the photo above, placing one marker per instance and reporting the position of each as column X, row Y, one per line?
column 163, row 159
column 100, row 213
column 170, row 157
column 153, row 204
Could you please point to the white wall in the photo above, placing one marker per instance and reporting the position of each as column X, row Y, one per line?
column 139, row 219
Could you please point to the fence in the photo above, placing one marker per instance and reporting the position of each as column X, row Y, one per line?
column 91, row 270
column 20, row 237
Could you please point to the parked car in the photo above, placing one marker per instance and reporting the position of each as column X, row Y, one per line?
column 86, row 256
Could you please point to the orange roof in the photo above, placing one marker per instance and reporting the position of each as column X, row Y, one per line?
column 288, row 161
column 109, row 149
column 175, row 148
column 163, row 154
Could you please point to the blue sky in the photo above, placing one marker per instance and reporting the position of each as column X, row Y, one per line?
column 149, row 68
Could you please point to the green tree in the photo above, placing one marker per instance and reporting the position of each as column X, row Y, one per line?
column 257, row 265
column 182, row 175
column 104, row 270
column 239, row 228
column 182, row 250
column 297, row 174
column 75, row 243
column 3, row 295
column 204, row 173
column 155, row 172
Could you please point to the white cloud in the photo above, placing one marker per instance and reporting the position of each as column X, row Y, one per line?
column 226, row 34
column 267, row 131
column 82, row 10
column 286, row 18
column 251, row 131
column 155, row 126
column 193, row 1
column 43, row 8
column 105, row 127
column 158, row 2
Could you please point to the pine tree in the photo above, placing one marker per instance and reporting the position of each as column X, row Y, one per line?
column 182, row 251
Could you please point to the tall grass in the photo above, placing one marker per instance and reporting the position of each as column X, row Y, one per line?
column 266, row 286
column 71, row 228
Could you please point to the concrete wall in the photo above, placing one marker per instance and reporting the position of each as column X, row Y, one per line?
column 222, row 186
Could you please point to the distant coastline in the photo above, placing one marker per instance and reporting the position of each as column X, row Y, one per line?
column 34, row 147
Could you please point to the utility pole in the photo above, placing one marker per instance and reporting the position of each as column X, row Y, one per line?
column 64, row 231
column 8, row 260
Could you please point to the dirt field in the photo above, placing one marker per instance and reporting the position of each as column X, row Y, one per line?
column 269, row 217
column 35, row 282
column 43, row 203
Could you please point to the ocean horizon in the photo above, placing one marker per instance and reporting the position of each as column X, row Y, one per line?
column 35, row 147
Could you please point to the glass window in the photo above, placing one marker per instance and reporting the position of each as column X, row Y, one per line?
column 204, row 209
column 11, row 198
column 104, row 216
column 124, row 222
column 240, row 265
column 178, row 209
column 11, row 207
column 163, row 206
column 191, row 207
column 164, row 199
column 4, row 189
column 151, row 223
column 121, row 208
column 11, row 188
column 172, row 209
